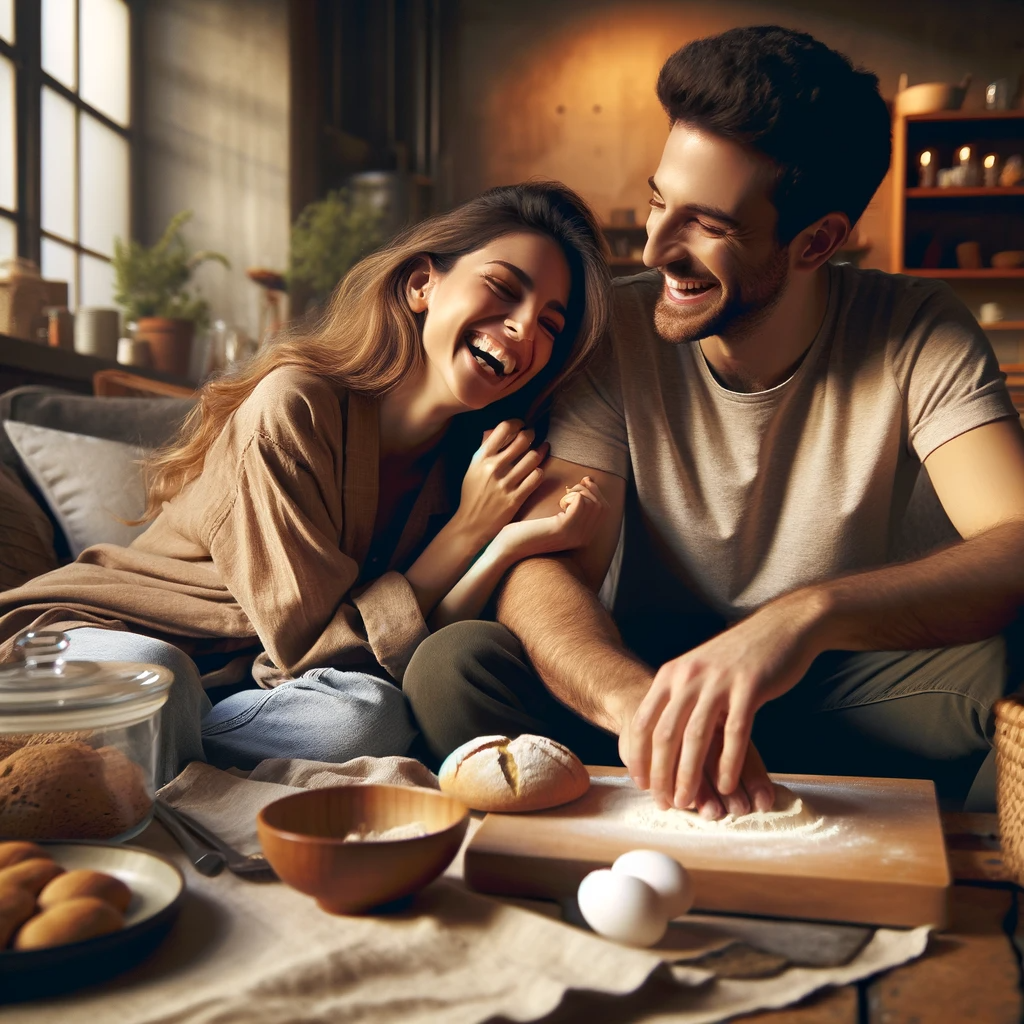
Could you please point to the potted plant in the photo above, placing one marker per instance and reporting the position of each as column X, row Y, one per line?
column 330, row 235
column 151, row 287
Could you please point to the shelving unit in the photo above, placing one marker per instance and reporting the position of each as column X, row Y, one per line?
column 624, row 239
column 929, row 223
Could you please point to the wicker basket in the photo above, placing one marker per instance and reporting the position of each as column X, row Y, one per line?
column 1010, row 783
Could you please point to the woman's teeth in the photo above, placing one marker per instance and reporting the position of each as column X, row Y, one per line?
column 491, row 356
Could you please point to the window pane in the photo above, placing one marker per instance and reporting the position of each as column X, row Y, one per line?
column 7, row 20
column 103, row 59
column 59, row 40
column 59, row 265
column 8, row 239
column 103, row 200
column 97, row 282
column 58, row 159
column 8, row 189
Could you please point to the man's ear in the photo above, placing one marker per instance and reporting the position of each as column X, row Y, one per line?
column 817, row 243
column 420, row 285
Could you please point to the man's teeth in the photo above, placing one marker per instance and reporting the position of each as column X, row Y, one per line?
column 689, row 286
column 492, row 356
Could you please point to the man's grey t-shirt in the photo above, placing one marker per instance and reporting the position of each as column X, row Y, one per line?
column 744, row 497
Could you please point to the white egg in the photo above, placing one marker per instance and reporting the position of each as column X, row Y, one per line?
column 622, row 908
column 666, row 876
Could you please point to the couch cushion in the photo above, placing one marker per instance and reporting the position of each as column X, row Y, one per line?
column 146, row 422
column 90, row 484
column 26, row 534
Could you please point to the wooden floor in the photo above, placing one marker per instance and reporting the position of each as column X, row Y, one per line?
column 970, row 973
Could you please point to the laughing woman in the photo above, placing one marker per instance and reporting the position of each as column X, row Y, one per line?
column 305, row 517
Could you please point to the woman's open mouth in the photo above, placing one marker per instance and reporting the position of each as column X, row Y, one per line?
column 688, row 291
column 490, row 356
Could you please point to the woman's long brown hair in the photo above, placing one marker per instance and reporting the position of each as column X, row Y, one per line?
column 368, row 340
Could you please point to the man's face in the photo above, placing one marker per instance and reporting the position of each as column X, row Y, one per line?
column 711, row 233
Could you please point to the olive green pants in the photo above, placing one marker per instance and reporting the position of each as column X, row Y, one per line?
column 917, row 714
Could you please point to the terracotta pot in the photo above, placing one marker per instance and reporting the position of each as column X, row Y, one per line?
column 170, row 342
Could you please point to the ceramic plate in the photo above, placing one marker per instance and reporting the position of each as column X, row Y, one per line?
column 157, row 889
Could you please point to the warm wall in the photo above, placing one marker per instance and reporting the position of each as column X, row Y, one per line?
column 565, row 89
column 215, row 137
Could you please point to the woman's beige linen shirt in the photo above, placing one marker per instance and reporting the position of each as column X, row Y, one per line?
column 265, row 549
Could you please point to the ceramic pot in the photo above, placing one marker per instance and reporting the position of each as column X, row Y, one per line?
column 170, row 342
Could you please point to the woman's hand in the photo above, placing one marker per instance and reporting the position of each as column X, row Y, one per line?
column 574, row 527
column 503, row 473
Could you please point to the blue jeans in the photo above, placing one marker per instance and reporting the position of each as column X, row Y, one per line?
column 327, row 714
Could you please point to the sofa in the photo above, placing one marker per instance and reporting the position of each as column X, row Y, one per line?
column 70, row 473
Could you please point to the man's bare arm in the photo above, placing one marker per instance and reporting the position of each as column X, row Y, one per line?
column 551, row 605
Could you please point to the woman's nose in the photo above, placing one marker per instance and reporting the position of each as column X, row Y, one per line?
column 521, row 327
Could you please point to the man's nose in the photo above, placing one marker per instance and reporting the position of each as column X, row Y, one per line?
column 663, row 243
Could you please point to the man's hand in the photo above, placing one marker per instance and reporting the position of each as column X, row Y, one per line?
column 689, row 738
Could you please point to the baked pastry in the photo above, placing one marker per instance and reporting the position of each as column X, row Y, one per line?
column 15, row 852
column 30, row 875
column 84, row 882
column 17, row 905
column 70, row 791
column 529, row 773
column 70, row 921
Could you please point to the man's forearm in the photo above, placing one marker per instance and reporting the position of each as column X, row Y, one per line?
column 571, row 641
column 958, row 595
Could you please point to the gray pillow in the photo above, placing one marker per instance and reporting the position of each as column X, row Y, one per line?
column 90, row 484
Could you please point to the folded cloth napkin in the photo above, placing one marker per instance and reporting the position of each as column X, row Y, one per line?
column 260, row 953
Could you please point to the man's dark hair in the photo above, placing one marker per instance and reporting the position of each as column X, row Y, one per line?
column 821, row 121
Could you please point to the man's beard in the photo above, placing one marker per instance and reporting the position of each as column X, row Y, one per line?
column 757, row 292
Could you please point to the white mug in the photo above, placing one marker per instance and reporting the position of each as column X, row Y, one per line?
column 97, row 331
column 991, row 312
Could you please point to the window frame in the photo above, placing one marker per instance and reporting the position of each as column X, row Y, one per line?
column 30, row 79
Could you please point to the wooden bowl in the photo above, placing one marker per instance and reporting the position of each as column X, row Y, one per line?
column 303, row 837
column 1009, row 259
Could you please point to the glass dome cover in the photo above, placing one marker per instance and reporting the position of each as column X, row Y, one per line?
column 43, row 691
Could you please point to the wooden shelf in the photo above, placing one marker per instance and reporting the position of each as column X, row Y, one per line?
column 952, row 193
column 951, row 274
column 968, row 115
column 1003, row 325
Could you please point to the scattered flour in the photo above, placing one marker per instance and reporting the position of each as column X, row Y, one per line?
column 790, row 815
column 364, row 834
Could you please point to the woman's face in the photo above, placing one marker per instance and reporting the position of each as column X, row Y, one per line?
column 492, row 320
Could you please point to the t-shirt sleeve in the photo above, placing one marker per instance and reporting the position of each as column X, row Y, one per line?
column 588, row 425
column 948, row 374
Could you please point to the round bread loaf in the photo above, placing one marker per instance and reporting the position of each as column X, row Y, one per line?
column 15, row 852
column 70, row 921
column 529, row 773
column 70, row 791
column 17, row 905
column 83, row 882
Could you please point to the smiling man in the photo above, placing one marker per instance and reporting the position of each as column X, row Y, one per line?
column 815, row 478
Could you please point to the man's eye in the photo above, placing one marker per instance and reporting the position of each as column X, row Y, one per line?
column 712, row 229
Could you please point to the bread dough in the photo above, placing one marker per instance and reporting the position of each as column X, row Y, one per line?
column 789, row 814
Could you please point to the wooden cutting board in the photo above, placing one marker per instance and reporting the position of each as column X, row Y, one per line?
column 877, row 856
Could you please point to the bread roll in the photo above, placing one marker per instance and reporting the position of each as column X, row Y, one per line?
column 83, row 882
column 529, row 773
column 15, row 852
column 31, row 875
column 17, row 905
column 70, row 921
column 70, row 791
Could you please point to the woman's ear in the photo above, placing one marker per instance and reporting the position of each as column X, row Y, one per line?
column 420, row 286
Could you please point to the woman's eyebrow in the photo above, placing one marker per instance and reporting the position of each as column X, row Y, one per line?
column 527, row 282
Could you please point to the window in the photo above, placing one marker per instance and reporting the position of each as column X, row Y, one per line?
column 65, row 169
